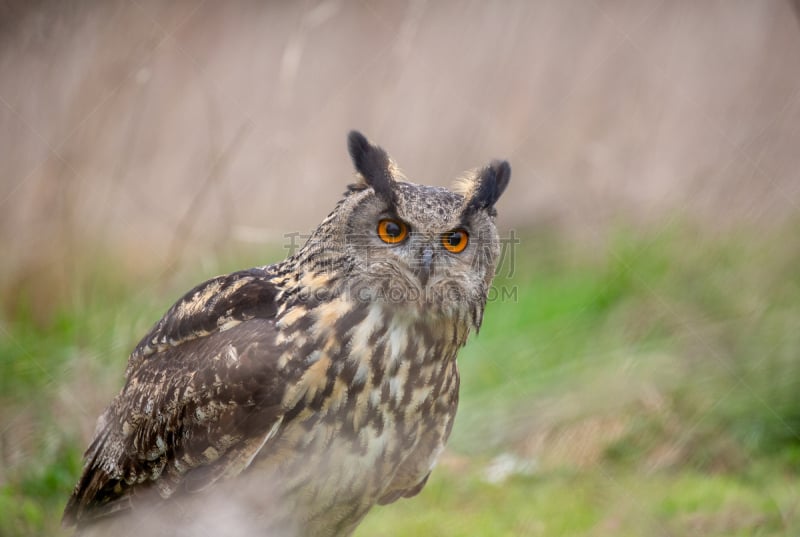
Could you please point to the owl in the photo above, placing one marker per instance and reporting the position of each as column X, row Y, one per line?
column 289, row 399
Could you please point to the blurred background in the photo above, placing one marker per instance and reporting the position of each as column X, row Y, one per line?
column 639, row 375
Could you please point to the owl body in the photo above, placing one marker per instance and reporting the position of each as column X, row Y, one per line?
column 363, row 403
column 290, row 399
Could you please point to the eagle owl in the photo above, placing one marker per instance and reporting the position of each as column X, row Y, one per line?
column 289, row 399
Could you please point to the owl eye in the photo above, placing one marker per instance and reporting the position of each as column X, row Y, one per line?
column 392, row 231
column 455, row 241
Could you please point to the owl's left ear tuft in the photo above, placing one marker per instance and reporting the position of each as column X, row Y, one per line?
column 488, row 186
column 373, row 164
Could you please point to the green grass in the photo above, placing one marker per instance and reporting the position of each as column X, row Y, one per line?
column 590, row 503
column 650, row 382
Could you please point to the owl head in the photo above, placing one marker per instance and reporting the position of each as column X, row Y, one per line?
column 417, row 247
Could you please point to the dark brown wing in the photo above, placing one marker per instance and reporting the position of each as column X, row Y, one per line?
column 201, row 398
column 211, row 306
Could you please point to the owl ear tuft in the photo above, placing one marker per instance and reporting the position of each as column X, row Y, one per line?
column 373, row 164
column 488, row 186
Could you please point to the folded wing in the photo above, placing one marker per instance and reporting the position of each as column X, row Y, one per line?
column 201, row 399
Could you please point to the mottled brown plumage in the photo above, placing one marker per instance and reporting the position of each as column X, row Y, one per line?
column 289, row 399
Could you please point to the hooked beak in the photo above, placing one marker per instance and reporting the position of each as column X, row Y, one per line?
column 425, row 267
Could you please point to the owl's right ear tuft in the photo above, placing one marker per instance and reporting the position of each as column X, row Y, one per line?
column 373, row 164
column 482, row 190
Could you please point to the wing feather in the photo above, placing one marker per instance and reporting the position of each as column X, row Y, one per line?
column 214, row 305
column 201, row 398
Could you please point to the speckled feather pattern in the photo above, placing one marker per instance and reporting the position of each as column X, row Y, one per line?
column 301, row 382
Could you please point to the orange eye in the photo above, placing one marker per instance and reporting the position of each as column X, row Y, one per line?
column 455, row 241
column 392, row 231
